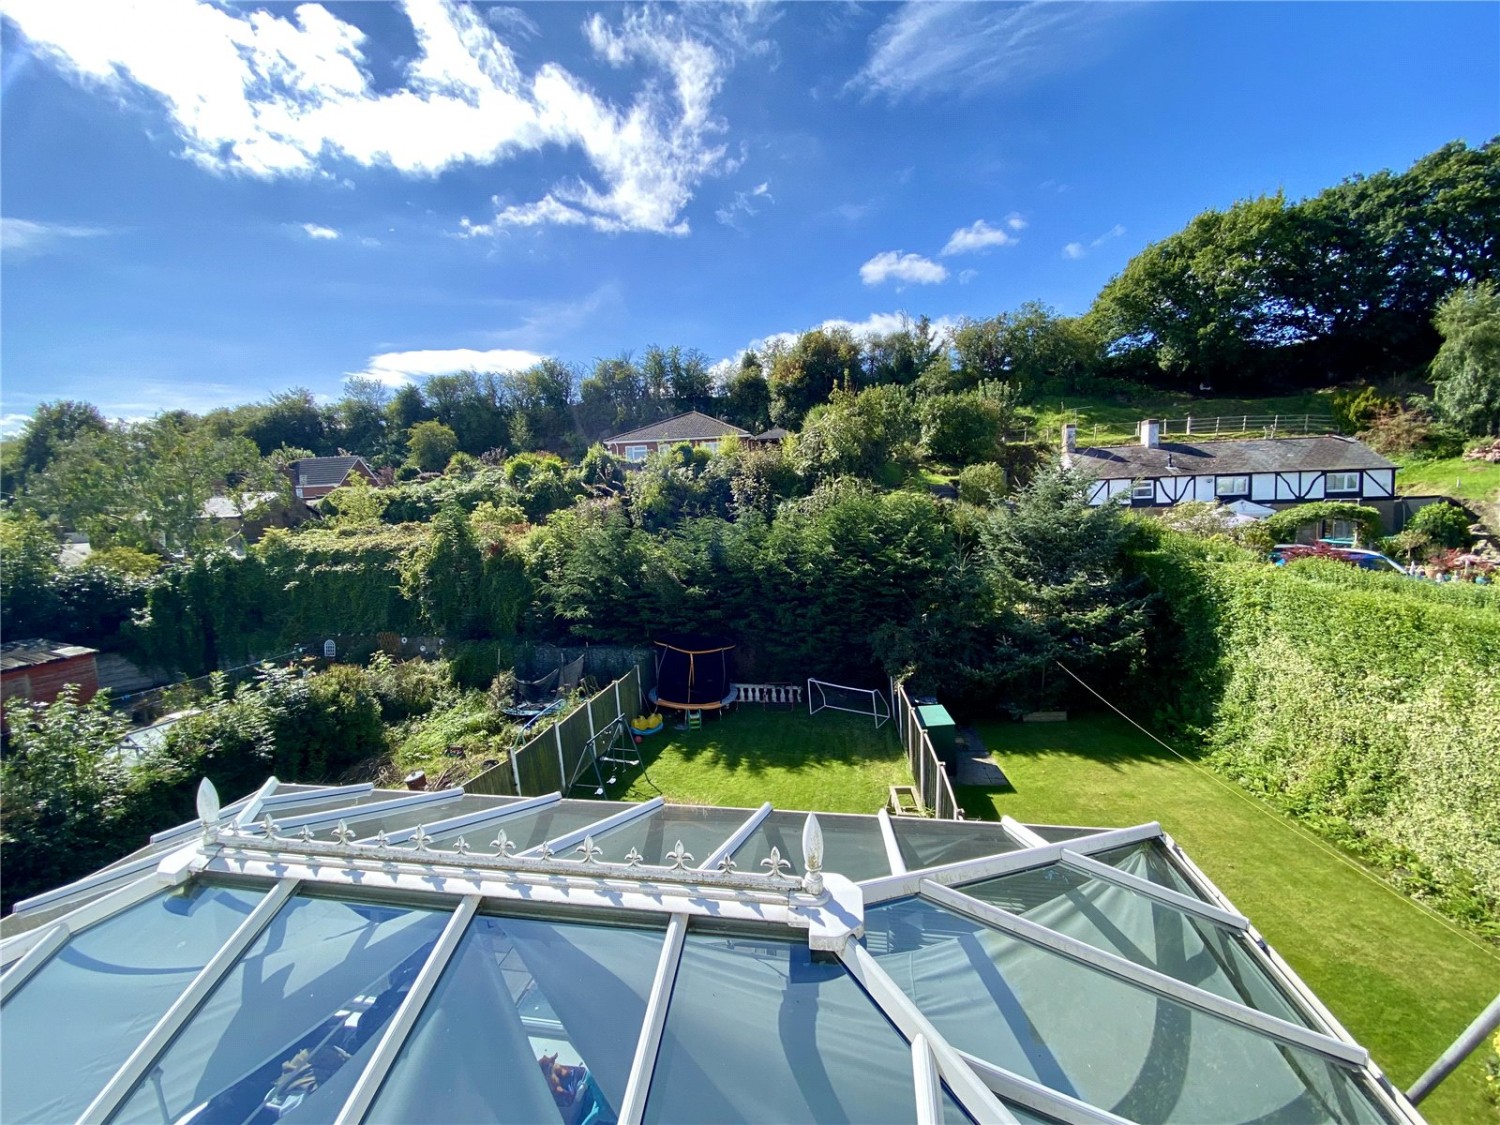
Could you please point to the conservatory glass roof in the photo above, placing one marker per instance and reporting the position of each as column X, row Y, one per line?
column 347, row 954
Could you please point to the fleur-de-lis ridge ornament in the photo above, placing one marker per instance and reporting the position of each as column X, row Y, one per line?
column 775, row 864
column 503, row 845
column 343, row 833
column 634, row 858
column 421, row 839
column 591, row 851
column 679, row 857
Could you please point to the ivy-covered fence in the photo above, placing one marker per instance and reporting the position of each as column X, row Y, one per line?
column 1366, row 705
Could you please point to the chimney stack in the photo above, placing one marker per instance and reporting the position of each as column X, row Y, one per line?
column 1150, row 433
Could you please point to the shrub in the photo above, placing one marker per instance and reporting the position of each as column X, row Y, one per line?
column 983, row 484
column 1285, row 524
column 1444, row 524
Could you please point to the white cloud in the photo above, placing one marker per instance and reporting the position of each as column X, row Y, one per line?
column 928, row 48
column 911, row 268
column 876, row 324
column 395, row 368
column 966, row 276
column 1075, row 250
column 978, row 236
column 269, row 95
column 321, row 234
column 745, row 205
column 1015, row 221
column 22, row 238
column 13, row 424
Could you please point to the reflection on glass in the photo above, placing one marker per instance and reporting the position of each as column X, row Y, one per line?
column 759, row 1030
column 852, row 845
column 532, row 1021
column 932, row 843
column 287, row 1031
column 1088, row 1034
column 1140, row 929
column 85, row 1010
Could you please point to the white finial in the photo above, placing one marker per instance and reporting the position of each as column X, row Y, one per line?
column 208, row 808
column 812, row 855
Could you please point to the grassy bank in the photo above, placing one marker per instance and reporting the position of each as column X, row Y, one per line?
column 1403, row 982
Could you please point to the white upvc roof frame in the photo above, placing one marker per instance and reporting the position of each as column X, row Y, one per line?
column 356, row 813
column 648, row 1044
column 500, row 813
column 394, row 1037
column 1086, row 865
column 736, row 838
column 1211, row 1003
column 889, row 887
column 134, row 1068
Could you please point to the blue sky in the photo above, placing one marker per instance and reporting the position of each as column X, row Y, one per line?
column 205, row 204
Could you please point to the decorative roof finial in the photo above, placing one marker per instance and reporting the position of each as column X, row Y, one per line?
column 812, row 855
column 208, row 809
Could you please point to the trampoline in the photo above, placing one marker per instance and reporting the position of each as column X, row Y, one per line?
column 692, row 673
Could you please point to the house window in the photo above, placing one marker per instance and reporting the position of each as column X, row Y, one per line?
column 1342, row 482
column 1231, row 486
column 711, row 446
column 636, row 452
column 1143, row 490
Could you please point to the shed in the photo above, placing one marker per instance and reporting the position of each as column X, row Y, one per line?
column 38, row 670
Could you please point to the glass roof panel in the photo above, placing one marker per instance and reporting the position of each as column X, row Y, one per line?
column 1149, row 860
column 398, row 819
column 701, row 830
column 285, row 1034
column 1095, row 1037
column 85, row 1010
column 852, row 845
column 532, row 1021
column 527, row 830
column 1061, row 833
column 1140, row 929
column 759, row 1031
column 932, row 843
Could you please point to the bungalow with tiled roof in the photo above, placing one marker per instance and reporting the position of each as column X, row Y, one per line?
column 315, row 477
column 693, row 428
column 1274, row 472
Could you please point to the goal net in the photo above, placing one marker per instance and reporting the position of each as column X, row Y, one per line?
column 825, row 696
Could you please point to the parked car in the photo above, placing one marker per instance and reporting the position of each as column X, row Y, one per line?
column 1283, row 553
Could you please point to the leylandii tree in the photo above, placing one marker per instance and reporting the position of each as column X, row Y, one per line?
column 1056, row 566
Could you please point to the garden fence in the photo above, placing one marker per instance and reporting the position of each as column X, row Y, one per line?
column 554, row 760
column 933, row 786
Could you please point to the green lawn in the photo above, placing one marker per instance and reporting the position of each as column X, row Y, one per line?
column 1115, row 419
column 1403, row 983
column 829, row 762
column 1451, row 476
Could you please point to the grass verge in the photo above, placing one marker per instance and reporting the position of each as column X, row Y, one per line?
column 1403, row 982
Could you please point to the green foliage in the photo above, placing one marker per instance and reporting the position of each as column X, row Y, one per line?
column 808, row 372
column 356, row 503
column 983, row 484
column 960, row 429
column 430, row 445
column 127, row 562
column 1466, row 369
column 1057, row 566
column 1355, row 410
column 1284, row 525
column 51, row 428
column 28, row 563
column 61, row 785
column 1362, row 704
column 475, row 664
column 676, row 484
column 542, row 483
column 1442, row 523
column 406, row 687
column 1033, row 349
column 856, row 434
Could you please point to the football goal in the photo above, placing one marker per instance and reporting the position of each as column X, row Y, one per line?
column 822, row 695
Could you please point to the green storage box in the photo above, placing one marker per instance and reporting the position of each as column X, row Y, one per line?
column 943, row 732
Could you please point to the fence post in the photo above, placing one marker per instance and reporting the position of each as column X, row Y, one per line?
column 515, row 765
column 562, row 767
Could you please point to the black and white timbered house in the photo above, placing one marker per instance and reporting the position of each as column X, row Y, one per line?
column 1275, row 472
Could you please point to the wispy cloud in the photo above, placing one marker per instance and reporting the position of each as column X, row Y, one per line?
column 13, row 424
column 895, row 265
column 1076, row 250
column 318, row 233
column 23, row 238
column 266, row 94
column 396, row 368
column 979, row 235
column 928, row 48
column 745, row 205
